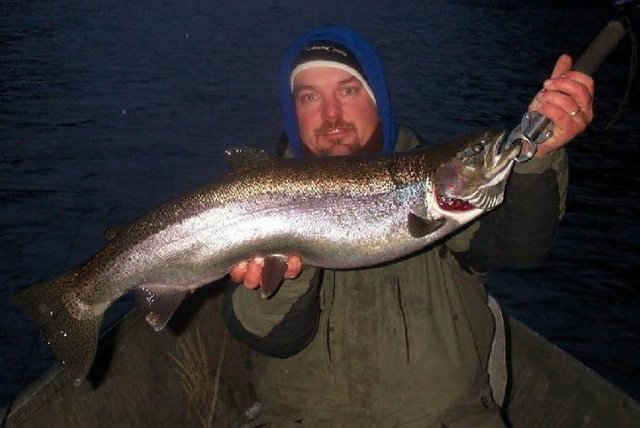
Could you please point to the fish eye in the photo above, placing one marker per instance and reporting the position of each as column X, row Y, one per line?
column 478, row 148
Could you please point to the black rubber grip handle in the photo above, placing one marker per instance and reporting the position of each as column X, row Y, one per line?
column 600, row 47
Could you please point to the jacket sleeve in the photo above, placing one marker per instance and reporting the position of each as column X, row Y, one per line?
column 521, row 231
column 280, row 326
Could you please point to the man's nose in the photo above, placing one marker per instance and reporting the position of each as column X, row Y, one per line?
column 331, row 108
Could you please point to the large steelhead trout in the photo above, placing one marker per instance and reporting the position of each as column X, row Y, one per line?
column 337, row 213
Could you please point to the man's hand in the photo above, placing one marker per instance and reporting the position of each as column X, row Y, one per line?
column 249, row 272
column 567, row 100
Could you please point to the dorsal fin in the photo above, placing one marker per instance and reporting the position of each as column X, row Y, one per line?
column 114, row 231
column 242, row 159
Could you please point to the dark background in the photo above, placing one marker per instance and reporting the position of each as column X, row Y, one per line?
column 109, row 108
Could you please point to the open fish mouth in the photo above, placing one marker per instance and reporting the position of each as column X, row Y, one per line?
column 475, row 178
column 452, row 204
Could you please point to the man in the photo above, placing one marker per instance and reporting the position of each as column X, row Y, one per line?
column 406, row 343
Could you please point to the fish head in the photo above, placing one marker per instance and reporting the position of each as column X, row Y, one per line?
column 475, row 177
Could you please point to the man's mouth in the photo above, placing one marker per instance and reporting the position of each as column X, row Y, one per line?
column 335, row 129
column 331, row 132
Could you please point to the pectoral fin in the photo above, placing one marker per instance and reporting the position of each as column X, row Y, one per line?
column 159, row 302
column 272, row 275
column 420, row 227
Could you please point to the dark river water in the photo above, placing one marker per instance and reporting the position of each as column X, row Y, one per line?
column 109, row 108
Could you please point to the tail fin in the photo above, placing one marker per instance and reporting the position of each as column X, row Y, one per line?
column 72, row 339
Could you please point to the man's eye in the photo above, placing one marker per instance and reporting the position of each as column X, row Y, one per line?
column 306, row 98
column 350, row 90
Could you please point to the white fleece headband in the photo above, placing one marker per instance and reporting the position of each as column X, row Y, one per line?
column 334, row 64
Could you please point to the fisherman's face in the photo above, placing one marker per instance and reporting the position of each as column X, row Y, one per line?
column 336, row 115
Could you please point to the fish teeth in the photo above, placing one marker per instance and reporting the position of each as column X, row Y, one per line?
column 484, row 199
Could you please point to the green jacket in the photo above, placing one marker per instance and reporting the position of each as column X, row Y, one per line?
column 403, row 343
